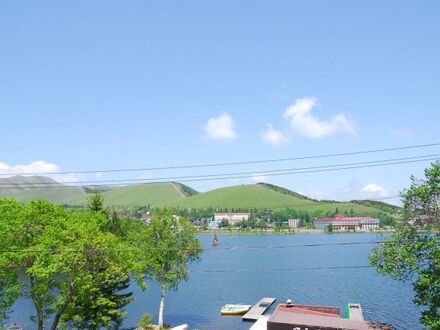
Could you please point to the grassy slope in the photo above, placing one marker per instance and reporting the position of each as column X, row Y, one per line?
column 26, row 189
column 155, row 194
column 176, row 194
column 59, row 195
column 261, row 196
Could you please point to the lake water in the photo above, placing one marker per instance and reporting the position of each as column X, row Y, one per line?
column 243, row 269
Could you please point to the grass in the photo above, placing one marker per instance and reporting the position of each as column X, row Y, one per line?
column 155, row 194
column 264, row 197
column 260, row 196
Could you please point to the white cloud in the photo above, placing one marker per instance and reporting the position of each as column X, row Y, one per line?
column 302, row 120
column 221, row 128
column 260, row 178
column 37, row 168
column 375, row 190
column 274, row 137
column 34, row 167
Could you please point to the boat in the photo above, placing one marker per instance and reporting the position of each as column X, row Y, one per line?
column 215, row 241
column 235, row 309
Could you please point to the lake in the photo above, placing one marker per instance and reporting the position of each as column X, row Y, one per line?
column 318, row 269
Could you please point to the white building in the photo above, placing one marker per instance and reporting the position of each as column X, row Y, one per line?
column 294, row 223
column 232, row 218
column 341, row 222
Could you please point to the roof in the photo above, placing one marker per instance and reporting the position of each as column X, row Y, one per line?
column 318, row 316
column 341, row 216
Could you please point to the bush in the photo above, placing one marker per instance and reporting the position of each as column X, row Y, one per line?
column 146, row 322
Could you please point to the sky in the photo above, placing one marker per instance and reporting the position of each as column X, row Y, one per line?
column 139, row 84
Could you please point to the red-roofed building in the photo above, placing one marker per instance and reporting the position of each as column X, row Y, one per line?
column 307, row 317
column 341, row 222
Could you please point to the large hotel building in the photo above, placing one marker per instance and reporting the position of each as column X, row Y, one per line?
column 341, row 222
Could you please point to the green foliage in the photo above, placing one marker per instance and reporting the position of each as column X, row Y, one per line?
column 60, row 253
column 95, row 202
column 146, row 322
column 329, row 228
column 104, row 306
column 186, row 190
column 412, row 255
column 224, row 223
column 284, row 191
column 175, row 246
column 172, row 244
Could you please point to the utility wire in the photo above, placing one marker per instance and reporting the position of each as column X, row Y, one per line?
column 237, row 247
column 226, row 176
column 288, row 269
column 231, row 163
column 263, row 172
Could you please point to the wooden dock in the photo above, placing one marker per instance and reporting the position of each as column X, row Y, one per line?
column 259, row 309
column 355, row 312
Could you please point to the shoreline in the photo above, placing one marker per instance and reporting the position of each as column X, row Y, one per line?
column 255, row 232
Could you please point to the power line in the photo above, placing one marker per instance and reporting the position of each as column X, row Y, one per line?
column 237, row 247
column 288, row 269
column 230, row 163
column 226, row 176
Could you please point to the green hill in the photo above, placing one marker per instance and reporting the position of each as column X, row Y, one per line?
column 384, row 207
column 155, row 194
column 266, row 196
column 27, row 188
column 261, row 196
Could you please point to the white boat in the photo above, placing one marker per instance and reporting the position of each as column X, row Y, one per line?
column 235, row 309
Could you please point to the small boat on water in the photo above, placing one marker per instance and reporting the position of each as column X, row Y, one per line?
column 235, row 309
column 215, row 241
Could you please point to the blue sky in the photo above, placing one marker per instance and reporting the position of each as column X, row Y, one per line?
column 105, row 84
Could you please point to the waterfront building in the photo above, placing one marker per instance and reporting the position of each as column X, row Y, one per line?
column 294, row 223
column 214, row 224
column 301, row 317
column 341, row 222
column 231, row 217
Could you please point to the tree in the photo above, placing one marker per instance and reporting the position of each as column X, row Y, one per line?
column 224, row 223
column 172, row 246
column 329, row 228
column 95, row 202
column 59, row 252
column 411, row 254
column 104, row 307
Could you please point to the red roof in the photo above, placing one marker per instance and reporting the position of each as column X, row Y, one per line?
column 341, row 216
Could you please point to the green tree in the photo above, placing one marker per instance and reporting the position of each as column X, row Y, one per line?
column 104, row 307
column 58, row 251
column 95, row 202
column 414, row 255
column 224, row 223
column 172, row 245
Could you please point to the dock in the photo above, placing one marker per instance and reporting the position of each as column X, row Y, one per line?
column 355, row 312
column 258, row 310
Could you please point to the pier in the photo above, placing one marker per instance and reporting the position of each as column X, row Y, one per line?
column 354, row 312
column 258, row 310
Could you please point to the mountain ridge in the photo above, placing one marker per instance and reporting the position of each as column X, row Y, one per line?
column 159, row 194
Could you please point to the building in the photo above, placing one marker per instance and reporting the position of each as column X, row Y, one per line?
column 232, row 218
column 214, row 224
column 294, row 223
column 146, row 217
column 308, row 317
column 341, row 222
